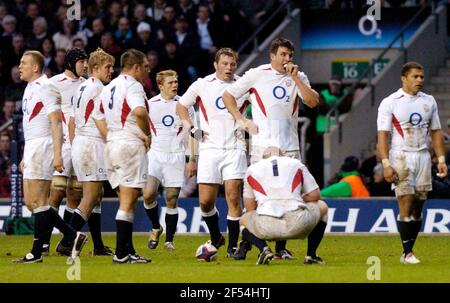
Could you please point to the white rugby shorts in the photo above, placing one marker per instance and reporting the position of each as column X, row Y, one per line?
column 217, row 165
column 258, row 151
column 38, row 159
column 88, row 159
column 126, row 163
column 414, row 172
column 296, row 224
column 66, row 153
column 168, row 168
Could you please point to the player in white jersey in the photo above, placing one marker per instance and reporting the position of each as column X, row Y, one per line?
column 128, row 140
column 275, row 90
column 166, row 158
column 409, row 116
column 282, row 202
column 42, row 155
column 222, row 149
column 65, row 184
column 88, row 146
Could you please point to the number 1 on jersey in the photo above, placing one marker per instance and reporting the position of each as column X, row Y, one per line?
column 275, row 167
column 81, row 94
column 111, row 102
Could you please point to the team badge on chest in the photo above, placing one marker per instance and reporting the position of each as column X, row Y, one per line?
column 288, row 82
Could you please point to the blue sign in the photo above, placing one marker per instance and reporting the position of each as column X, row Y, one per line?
column 344, row 216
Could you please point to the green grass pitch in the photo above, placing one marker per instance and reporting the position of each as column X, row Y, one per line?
column 346, row 258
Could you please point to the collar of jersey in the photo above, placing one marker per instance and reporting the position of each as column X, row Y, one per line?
column 128, row 76
column 402, row 92
column 39, row 79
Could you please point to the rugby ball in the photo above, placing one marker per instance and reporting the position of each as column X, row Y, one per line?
column 206, row 252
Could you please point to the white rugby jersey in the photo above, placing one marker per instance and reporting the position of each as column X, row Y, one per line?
column 409, row 119
column 66, row 89
column 118, row 99
column 167, row 130
column 278, row 184
column 275, row 98
column 213, row 115
column 37, row 103
column 86, row 105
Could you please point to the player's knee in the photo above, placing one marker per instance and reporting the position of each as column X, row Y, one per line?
column 323, row 207
column 59, row 183
column 206, row 206
column 172, row 197
column 150, row 196
column 421, row 195
column 75, row 185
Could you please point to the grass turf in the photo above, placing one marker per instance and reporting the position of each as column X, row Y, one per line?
column 346, row 258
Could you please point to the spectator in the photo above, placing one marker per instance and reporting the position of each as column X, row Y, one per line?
column 209, row 34
column 144, row 41
column 441, row 186
column 5, row 164
column 33, row 12
column 9, row 107
column 78, row 43
column 12, row 57
column 252, row 13
column 108, row 44
column 16, row 87
column 153, row 61
column 140, row 16
column 172, row 59
column 188, row 44
column 97, row 29
column 111, row 19
column 166, row 26
column 124, row 35
column 379, row 187
column 59, row 60
column 64, row 38
column 47, row 48
column 350, row 183
column 220, row 13
column 188, row 9
column 40, row 28
column 328, row 98
column 156, row 10
column 9, row 23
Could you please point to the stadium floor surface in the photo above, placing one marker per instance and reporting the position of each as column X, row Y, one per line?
column 346, row 257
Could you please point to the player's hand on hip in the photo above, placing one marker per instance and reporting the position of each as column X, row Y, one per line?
column 390, row 175
column 249, row 126
column 442, row 170
column 58, row 164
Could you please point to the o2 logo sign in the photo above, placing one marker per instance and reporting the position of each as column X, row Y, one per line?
column 372, row 16
column 219, row 103
column 279, row 92
column 168, row 120
column 415, row 119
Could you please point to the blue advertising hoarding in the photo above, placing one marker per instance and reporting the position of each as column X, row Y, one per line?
column 344, row 216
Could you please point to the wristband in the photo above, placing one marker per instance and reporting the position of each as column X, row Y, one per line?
column 386, row 163
column 441, row 159
column 196, row 133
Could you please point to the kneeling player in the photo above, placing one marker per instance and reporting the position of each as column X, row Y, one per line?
column 282, row 202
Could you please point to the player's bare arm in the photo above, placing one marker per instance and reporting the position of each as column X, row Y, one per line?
column 71, row 129
column 383, row 148
column 313, row 196
column 57, row 136
column 142, row 121
column 102, row 127
column 184, row 116
column 191, row 167
column 249, row 204
column 230, row 102
column 310, row 96
column 437, row 140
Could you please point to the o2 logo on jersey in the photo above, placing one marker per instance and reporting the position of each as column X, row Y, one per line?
column 219, row 103
column 415, row 119
column 280, row 93
column 168, row 120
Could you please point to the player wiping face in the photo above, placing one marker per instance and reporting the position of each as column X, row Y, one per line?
column 282, row 61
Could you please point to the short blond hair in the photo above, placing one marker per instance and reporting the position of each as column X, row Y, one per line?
column 162, row 75
column 99, row 57
column 38, row 58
